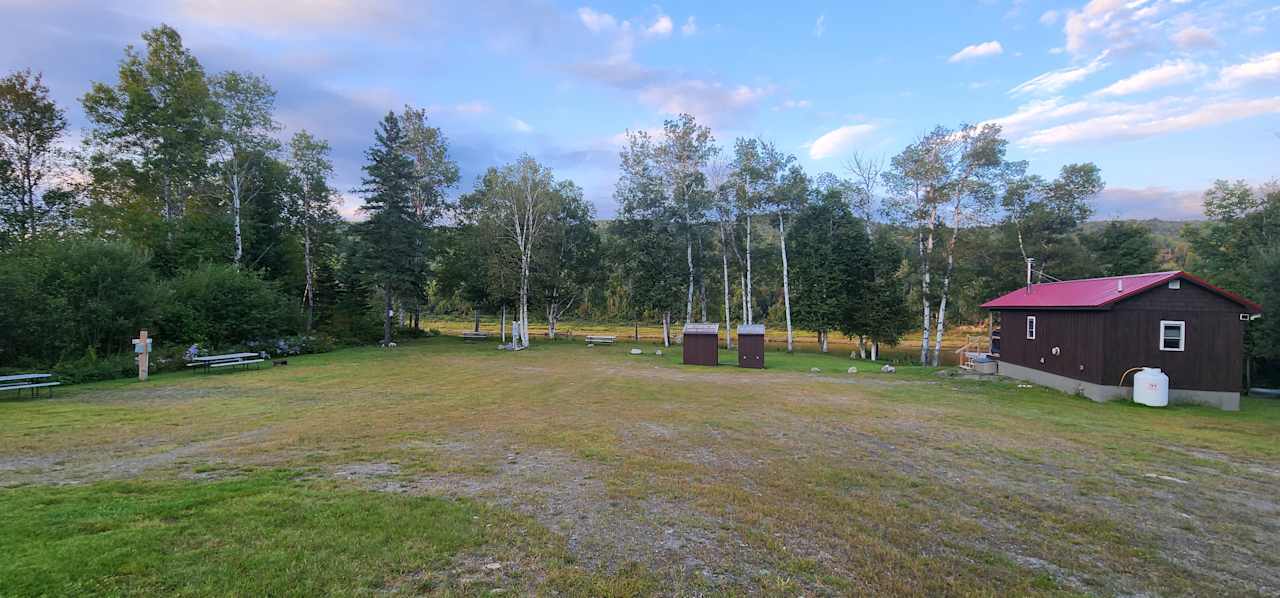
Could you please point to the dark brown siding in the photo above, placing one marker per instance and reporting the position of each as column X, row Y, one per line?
column 701, row 349
column 751, row 351
column 1214, row 338
column 1076, row 334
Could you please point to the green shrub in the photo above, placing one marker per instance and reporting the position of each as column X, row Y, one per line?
column 65, row 299
column 220, row 306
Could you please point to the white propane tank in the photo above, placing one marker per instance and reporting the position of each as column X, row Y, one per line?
column 1151, row 387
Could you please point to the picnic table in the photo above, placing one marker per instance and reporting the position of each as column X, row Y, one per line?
column 32, row 381
column 227, row 360
column 475, row 336
column 600, row 339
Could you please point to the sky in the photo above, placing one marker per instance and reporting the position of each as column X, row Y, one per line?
column 1165, row 96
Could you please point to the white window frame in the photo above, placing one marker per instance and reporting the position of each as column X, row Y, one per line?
column 1032, row 325
column 1182, row 334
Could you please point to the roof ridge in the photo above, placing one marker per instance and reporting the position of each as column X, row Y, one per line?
column 1165, row 273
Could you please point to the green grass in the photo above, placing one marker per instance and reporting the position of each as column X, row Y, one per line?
column 828, row 482
column 264, row 534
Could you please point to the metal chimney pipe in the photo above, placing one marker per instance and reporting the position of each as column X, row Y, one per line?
column 1030, row 260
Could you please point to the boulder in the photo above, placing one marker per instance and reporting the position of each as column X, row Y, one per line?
column 888, row 369
column 637, row 352
column 814, row 370
column 853, row 369
column 658, row 352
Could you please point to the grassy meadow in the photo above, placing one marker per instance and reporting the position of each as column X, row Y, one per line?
column 445, row 467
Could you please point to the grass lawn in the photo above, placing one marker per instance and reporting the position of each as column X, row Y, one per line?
column 450, row 468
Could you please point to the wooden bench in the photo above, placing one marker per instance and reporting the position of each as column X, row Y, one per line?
column 475, row 336
column 221, row 361
column 32, row 381
column 601, row 339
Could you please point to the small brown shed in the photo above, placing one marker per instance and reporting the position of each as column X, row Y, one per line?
column 751, row 346
column 701, row 344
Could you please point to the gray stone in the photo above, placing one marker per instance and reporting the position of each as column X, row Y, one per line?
column 853, row 369
column 814, row 370
column 888, row 369
column 637, row 352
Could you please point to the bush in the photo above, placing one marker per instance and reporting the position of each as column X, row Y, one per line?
column 292, row 345
column 220, row 306
column 70, row 298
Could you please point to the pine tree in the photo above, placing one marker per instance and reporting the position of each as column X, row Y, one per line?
column 390, row 235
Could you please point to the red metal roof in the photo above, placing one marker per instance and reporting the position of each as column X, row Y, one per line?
column 1099, row 293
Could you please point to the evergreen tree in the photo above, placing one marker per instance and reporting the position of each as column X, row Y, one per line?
column 390, row 236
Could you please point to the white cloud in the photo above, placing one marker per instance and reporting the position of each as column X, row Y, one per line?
column 991, row 48
column 520, row 126
column 280, row 16
column 472, row 107
column 1156, row 118
column 1192, row 37
column 838, row 141
column 596, row 21
column 1055, row 81
column 1037, row 113
column 690, row 27
column 1148, row 202
column 1167, row 73
column 1260, row 68
column 1115, row 24
column 1049, row 17
column 794, row 105
column 711, row 102
column 820, row 26
column 661, row 27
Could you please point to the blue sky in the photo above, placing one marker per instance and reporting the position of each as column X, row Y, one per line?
column 1164, row 95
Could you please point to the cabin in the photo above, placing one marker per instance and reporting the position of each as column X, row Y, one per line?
column 1084, row 336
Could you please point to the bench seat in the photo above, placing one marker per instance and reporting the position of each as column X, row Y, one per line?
column 601, row 340
column 220, row 364
column 475, row 335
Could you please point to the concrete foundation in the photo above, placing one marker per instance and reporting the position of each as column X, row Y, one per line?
column 1227, row 401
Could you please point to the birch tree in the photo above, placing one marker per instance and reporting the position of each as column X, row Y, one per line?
column 567, row 261
column 680, row 159
column 151, row 137
column 31, row 125
column 519, row 202
column 945, row 172
column 773, row 180
column 311, row 203
column 436, row 174
column 245, row 138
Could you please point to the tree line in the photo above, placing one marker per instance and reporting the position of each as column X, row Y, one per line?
column 184, row 196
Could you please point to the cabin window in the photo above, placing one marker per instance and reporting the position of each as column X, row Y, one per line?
column 1031, row 328
column 1173, row 335
column 1175, row 284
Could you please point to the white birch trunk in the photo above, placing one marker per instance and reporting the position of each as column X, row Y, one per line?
column 946, row 289
column 728, row 320
column 786, row 288
column 666, row 329
column 926, row 251
column 688, row 304
column 875, row 350
column 746, row 291
column 308, row 290
column 502, row 326
column 235, row 216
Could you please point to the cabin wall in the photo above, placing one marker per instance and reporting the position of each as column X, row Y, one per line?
column 1213, row 359
column 1076, row 334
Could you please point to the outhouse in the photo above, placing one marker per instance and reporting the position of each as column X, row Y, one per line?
column 751, row 346
column 701, row 344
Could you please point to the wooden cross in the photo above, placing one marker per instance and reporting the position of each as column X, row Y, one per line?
column 142, row 346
